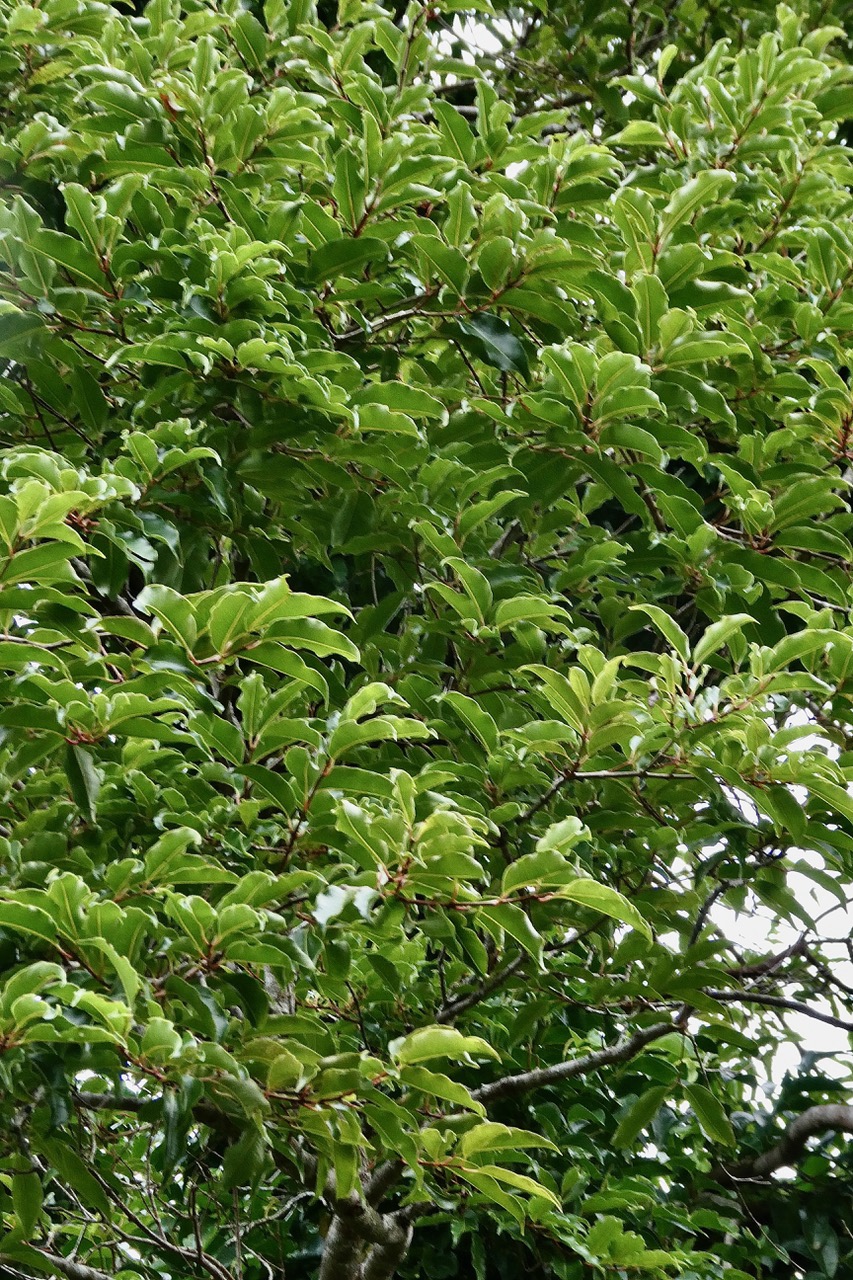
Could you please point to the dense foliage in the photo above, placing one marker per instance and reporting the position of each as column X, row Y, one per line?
column 425, row 596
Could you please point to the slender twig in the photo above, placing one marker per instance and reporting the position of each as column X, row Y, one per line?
column 778, row 1002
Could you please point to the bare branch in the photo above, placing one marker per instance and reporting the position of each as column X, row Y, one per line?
column 203, row 1112
column 599, row 775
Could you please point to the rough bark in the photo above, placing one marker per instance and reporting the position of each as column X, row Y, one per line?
column 355, row 1225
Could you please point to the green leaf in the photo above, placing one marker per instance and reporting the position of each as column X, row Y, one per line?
column 27, row 1199
column 606, row 901
column 76, row 1176
column 640, row 133
column 675, row 637
column 22, row 917
column 718, row 635
column 490, row 1136
column 401, row 398
column 493, row 341
column 457, row 136
column 705, row 189
column 710, row 1114
column 375, row 417
column 519, row 1182
column 640, row 1115
column 508, row 919
column 440, row 1086
column 246, row 1160
column 475, row 718
column 84, row 781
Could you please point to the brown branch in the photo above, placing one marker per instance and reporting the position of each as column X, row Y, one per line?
column 599, row 775
column 761, row 968
column 203, row 1112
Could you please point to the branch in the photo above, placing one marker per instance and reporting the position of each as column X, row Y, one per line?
column 453, row 1008
column 596, row 775
column 203, row 1112
column 73, row 1270
column 779, row 1002
column 789, row 1148
column 384, row 1259
column 761, row 968
column 462, row 1003
column 381, row 1181
column 622, row 1051
column 356, row 1223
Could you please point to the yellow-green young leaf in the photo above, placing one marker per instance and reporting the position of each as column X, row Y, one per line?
column 562, row 835
column 491, row 1136
column 389, row 461
column 439, row 1042
column 519, row 1182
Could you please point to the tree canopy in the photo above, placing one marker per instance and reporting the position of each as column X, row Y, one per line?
column 425, row 593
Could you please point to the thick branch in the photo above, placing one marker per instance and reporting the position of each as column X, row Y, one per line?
column 622, row 1051
column 384, row 1259
column 355, row 1224
column 341, row 1251
column 789, row 1148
